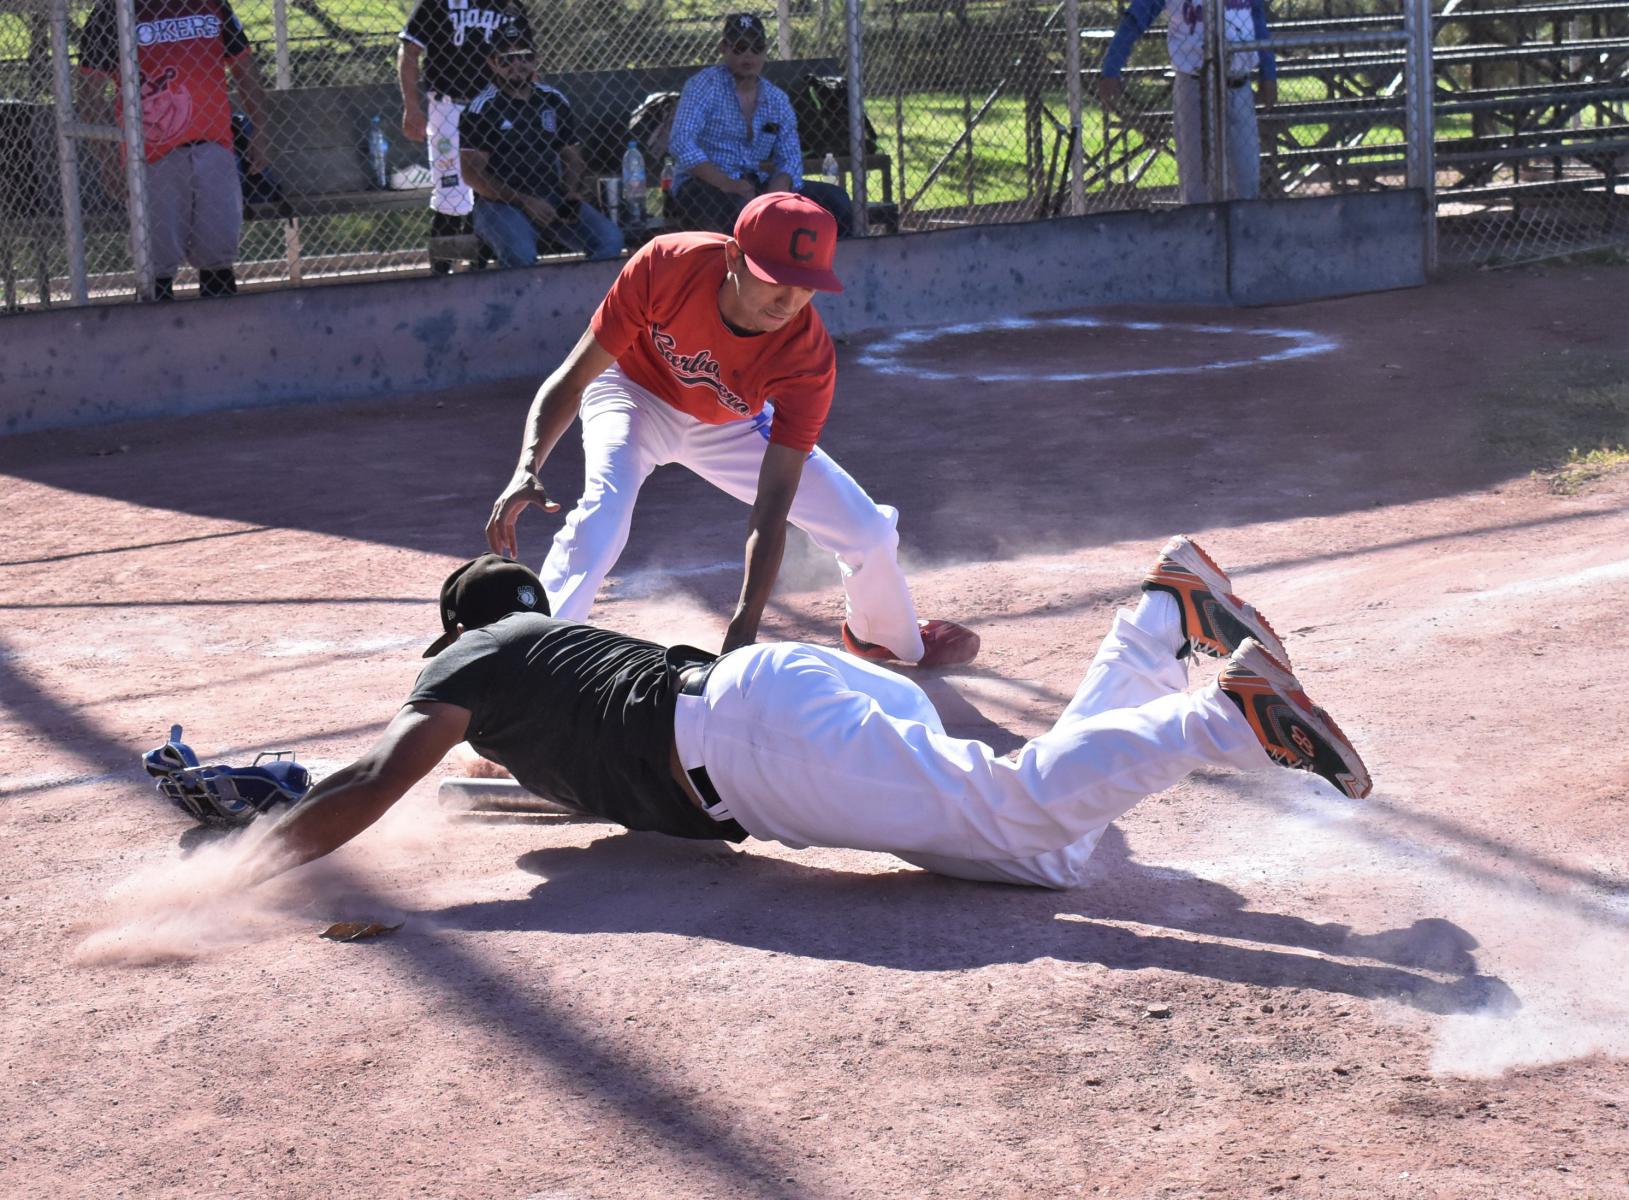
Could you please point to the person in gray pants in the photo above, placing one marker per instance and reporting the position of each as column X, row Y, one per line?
column 185, row 49
column 1244, row 21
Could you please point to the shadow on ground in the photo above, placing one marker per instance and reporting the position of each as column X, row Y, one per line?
column 979, row 470
column 913, row 921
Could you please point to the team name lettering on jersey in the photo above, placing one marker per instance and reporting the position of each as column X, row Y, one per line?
column 697, row 370
column 177, row 29
column 483, row 19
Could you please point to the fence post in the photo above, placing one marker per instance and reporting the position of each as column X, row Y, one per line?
column 73, row 217
column 135, row 149
column 280, row 36
column 856, row 119
column 1420, row 117
column 1077, row 151
column 783, row 28
column 1213, row 89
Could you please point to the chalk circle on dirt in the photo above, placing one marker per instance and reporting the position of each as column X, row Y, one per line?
column 1277, row 345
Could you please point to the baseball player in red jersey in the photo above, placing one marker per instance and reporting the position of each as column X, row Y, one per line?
column 706, row 352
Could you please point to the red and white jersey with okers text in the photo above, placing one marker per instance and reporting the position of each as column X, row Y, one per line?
column 182, row 48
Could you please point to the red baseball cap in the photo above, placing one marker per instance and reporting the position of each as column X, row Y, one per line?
column 789, row 239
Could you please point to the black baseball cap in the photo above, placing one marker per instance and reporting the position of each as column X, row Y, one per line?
column 740, row 27
column 482, row 590
column 510, row 38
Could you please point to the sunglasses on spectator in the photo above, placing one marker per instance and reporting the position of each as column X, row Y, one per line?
column 517, row 57
column 749, row 46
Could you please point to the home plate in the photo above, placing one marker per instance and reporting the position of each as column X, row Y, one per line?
column 499, row 795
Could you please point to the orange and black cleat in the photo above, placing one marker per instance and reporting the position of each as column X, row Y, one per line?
column 1294, row 731
column 1214, row 620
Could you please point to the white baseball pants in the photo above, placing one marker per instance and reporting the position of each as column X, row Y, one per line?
column 812, row 747
column 448, row 192
column 1243, row 179
column 628, row 433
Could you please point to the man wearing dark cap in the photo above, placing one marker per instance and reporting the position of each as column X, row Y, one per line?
column 813, row 747
column 521, row 154
column 707, row 352
column 735, row 136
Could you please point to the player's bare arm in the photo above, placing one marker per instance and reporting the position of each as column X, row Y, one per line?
column 252, row 95
column 553, row 409
column 778, row 480
column 354, row 797
column 407, row 73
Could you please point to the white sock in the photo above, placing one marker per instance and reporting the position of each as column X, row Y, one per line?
column 1158, row 616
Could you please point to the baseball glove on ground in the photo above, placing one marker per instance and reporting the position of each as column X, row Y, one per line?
column 223, row 795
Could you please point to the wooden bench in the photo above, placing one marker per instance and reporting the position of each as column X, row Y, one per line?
column 317, row 137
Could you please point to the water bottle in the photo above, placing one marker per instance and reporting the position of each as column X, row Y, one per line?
column 828, row 166
column 378, row 151
column 633, row 185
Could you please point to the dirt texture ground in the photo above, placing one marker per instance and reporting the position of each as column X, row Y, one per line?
column 1265, row 990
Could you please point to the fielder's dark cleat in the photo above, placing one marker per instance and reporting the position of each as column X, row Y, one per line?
column 1214, row 620
column 944, row 644
column 1294, row 731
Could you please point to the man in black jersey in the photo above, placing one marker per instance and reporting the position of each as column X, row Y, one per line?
column 521, row 154
column 444, row 48
column 811, row 746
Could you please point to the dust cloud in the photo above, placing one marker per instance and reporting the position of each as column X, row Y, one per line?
column 198, row 903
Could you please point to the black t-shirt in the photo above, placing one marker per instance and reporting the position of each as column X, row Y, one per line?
column 579, row 715
column 522, row 136
column 456, row 36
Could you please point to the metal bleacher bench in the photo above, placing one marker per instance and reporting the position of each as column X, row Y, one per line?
column 316, row 138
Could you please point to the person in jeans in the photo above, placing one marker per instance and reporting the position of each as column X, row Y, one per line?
column 520, row 153
column 735, row 137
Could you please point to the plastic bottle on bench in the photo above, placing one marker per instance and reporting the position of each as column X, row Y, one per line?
column 633, row 186
column 828, row 167
column 378, row 153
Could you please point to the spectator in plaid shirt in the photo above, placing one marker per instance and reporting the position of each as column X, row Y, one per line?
column 735, row 136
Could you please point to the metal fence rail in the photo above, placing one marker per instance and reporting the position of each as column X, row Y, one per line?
column 924, row 113
column 1533, row 116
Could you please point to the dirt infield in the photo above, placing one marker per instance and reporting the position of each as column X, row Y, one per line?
column 1265, row 990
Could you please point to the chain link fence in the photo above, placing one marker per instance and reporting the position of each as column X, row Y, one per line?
column 278, row 149
column 1532, row 129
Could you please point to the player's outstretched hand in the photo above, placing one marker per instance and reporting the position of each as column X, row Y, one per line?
column 524, row 490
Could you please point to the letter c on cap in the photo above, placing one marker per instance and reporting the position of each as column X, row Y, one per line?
column 798, row 235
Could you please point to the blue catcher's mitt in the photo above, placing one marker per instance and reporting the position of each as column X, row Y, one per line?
column 222, row 795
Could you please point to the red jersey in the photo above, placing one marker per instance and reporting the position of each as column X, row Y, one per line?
column 182, row 48
column 661, row 321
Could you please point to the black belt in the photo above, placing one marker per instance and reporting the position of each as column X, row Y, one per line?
column 1232, row 83
column 693, row 682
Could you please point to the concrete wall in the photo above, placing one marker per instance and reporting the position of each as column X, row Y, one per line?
column 115, row 362
column 1287, row 251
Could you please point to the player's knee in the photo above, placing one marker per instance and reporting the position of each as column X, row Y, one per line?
column 871, row 529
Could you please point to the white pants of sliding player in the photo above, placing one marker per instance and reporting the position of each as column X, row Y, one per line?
column 628, row 433
column 812, row 747
column 448, row 192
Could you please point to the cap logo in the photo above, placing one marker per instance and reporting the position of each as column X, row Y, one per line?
column 527, row 595
column 798, row 235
